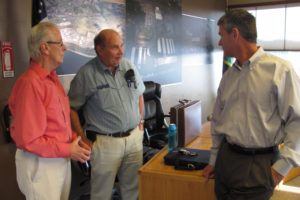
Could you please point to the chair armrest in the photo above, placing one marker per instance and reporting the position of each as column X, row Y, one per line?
column 166, row 124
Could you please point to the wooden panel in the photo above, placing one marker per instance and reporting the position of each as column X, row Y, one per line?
column 164, row 187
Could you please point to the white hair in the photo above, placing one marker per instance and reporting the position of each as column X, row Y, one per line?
column 40, row 33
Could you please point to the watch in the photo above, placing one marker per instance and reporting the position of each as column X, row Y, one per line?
column 142, row 121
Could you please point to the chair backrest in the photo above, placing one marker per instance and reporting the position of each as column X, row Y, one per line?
column 154, row 115
column 7, row 120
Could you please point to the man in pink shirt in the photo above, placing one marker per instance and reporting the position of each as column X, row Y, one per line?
column 41, row 125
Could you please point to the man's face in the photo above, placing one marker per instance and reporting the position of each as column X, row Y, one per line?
column 226, row 41
column 56, row 48
column 113, row 51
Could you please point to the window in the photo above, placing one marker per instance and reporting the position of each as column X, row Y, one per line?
column 293, row 28
column 277, row 26
column 278, row 30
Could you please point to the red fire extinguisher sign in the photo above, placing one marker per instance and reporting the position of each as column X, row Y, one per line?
column 7, row 65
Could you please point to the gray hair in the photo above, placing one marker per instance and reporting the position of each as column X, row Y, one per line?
column 243, row 21
column 42, row 32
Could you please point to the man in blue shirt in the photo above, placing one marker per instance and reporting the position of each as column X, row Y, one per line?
column 109, row 91
column 257, row 108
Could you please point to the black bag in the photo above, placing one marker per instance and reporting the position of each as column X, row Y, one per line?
column 187, row 159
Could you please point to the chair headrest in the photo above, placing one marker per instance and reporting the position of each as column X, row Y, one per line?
column 152, row 90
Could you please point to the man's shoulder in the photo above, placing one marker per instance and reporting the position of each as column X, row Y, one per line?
column 29, row 77
column 126, row 64
column 88, row 67
column 278, row 61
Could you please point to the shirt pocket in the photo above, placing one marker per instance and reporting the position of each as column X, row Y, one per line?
column 264, row 101
column 133, row 93
column 55, row 111
column 106, row 97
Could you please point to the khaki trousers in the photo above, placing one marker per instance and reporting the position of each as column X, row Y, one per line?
column 111, row 157
column 43, row 178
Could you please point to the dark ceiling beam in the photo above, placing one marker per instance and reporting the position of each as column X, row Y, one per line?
column 263, row 4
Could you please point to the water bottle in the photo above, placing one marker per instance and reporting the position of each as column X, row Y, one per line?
column 172, row 137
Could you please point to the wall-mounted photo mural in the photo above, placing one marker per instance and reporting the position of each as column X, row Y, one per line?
column 151, row 31
column 79, row 22
column 153, row 38
column 197, row 37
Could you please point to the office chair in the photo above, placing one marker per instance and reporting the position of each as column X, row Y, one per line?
column 155, row 125
column 6, row 119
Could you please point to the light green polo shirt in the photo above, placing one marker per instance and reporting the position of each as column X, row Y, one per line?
column 109, row 104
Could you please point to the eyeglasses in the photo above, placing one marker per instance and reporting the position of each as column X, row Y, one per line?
column 53, row 42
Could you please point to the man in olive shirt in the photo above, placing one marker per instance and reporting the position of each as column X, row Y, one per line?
column 109, row 91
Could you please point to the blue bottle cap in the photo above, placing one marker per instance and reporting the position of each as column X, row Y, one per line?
column 172, row 127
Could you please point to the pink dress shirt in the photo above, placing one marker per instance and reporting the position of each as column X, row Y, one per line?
column 41, row 114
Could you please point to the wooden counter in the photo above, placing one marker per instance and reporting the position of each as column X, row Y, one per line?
column 158, row 181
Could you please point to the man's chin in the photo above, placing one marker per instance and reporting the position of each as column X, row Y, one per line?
column 116, row 63
column 59, row 63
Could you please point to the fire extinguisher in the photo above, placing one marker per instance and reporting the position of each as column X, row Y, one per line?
column 7, row 65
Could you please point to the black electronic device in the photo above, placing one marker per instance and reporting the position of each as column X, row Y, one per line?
column 130, row 78
column 187, row 159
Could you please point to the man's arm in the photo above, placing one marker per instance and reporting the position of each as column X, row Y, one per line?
column 141, row 107
column 77, row 128
column 289, row 110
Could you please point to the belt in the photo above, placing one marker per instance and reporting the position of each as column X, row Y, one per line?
column 92, row 134
column 252, row 151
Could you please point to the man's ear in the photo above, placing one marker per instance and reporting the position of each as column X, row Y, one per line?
column 44, row 48
column 99, row 50
column 235, row 33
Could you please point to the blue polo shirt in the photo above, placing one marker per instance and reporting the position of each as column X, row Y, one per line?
column 109, row 104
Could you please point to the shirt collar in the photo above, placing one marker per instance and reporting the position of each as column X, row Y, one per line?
column 237, row 66
column 41, row 72
column 103, row 67
column 260, row 51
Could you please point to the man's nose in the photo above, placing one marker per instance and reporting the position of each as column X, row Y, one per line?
column 121, row 50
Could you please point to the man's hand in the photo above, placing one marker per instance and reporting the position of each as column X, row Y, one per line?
column 78, row 152
column 208, row 172
column 86, row 143
column 141, row 125
column 277, row 178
